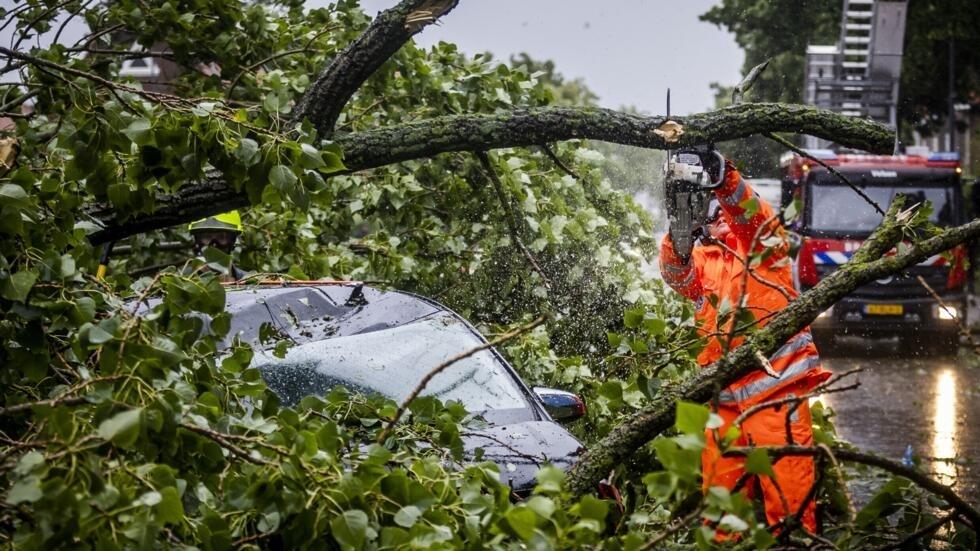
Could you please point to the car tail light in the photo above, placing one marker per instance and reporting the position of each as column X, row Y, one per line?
column 805, row 266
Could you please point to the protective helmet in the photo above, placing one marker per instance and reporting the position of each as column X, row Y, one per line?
column 231, row 221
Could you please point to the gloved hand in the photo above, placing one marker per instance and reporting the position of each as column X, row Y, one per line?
column 712, row 161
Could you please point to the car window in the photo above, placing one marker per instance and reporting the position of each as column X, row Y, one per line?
column 391, row 362
column 839, row 209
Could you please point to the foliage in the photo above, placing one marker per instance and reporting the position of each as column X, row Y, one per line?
column 127, row 423
column 925, row 69
column 779, row 31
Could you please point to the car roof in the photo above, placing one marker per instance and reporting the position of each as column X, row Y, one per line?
column 315, row 312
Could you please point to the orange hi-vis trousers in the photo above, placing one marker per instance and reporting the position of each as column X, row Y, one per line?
column 784, row 494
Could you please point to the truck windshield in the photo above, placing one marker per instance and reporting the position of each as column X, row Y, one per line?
column 837, row 209
column 392, row 362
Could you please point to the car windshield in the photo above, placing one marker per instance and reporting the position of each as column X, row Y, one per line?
column 392, row 362
column 839, row 209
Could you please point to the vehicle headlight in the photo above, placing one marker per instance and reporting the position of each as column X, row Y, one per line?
column 948, row 313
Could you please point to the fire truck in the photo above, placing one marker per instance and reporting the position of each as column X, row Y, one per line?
column 834, row 220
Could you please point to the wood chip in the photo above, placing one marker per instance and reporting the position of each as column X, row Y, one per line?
column 427, row 13
column 9, row 148
column 670, row 131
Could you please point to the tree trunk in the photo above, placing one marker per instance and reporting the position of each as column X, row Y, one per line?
column 517, row 128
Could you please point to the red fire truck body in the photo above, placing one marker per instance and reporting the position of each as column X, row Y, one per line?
column 834, row 220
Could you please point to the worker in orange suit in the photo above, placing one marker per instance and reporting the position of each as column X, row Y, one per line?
column 739, row 220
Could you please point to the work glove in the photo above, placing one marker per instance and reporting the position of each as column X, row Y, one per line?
column 712, row 161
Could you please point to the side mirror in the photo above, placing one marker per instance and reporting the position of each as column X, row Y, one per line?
column 562, row 406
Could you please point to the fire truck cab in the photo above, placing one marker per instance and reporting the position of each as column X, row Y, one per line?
column 833, row 220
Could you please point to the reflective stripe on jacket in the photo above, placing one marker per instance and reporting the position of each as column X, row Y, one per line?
column 718, row 269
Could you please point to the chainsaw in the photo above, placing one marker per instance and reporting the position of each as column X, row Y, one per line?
column 687, row 189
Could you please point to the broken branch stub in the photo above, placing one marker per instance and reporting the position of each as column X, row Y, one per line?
column 332, row 89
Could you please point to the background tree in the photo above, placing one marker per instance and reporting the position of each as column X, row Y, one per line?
column 781, row 31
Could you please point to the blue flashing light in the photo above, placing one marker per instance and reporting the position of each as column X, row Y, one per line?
column 822, row 154
column 944, row 156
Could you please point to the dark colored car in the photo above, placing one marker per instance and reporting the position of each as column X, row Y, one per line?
column 374, row 341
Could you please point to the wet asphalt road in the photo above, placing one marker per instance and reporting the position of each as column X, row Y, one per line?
column 930, row 402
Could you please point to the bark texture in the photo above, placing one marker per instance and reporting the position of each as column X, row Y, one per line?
column 524, row 127
column 333, row 88
column 517, row 128
column 193, row 202
column 867, row 265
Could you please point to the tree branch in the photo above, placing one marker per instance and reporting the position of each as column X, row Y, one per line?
column 333, row 88
column 527, row 127
column 867, row 264
column 517, row 128
column 449, row 363
column 510, row 218
column 738, row 92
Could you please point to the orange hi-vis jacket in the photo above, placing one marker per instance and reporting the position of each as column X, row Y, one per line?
column 718, row 269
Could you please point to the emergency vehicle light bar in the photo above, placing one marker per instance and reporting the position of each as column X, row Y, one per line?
column 822, row 154
column 945, row 156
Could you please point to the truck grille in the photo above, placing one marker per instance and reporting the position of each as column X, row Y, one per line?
column 902, row 285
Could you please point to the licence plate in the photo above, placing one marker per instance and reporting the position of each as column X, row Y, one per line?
column 883, row 309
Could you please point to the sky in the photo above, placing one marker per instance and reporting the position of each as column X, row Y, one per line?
column 626, row 51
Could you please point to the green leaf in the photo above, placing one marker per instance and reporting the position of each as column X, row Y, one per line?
column 332, row 163
column 612, row 390
column 26, row 490
column 309, row 157
column 247, row 152
column 28, row 462
column 521, row 522
column 16, row 286
column 139, row 131
column 792, row 209
column 94, row 334
column 281, row 177
column 217, row 259
column 633, row 317
column 732, row 523
column 757, row 462
column 407, row 516
column 351, row 529
column 149, row 499
column 593, row 508
column 550, row 479
column 750, row 207
column 654, row 326
column 660, row 485
column 170, row 509
column 691, row 418
column 123, row 428
column 14, row 195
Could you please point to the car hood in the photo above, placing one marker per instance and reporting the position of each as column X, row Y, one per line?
column 520, row 449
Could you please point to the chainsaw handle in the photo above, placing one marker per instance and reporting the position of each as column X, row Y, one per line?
column 721, row 172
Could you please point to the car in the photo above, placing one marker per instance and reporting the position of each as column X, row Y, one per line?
column 370, row 340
